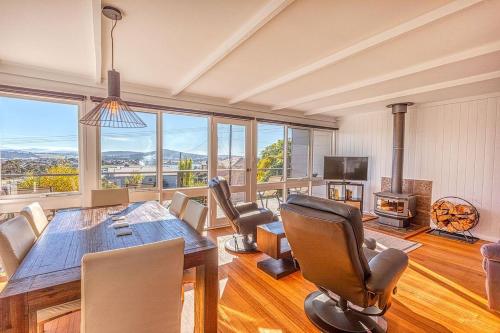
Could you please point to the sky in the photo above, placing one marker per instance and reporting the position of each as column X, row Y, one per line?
column 34, row 125
column 38, row 125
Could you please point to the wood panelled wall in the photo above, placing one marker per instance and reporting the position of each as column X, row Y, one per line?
column 456, row 145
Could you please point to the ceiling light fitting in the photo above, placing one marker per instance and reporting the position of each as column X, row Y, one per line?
column 113, row 111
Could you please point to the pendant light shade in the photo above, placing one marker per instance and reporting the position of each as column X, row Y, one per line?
column 112, row 111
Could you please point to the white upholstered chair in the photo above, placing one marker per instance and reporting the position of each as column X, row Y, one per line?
column 16, row 239
column 195, row 215
column 178, row 204
column 36, row 217
column 109, row 197
column 135, row 289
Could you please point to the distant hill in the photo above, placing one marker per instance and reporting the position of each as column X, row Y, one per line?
column 167, row 154
column 10, row 154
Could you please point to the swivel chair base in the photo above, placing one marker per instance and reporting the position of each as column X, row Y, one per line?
column 328, row 316
column 240, row 244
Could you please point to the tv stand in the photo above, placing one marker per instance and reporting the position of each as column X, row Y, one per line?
column 358, row 190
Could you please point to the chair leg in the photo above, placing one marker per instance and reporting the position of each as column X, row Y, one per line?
column 261, row 201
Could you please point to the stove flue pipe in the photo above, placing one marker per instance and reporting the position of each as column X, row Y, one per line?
column 398, row 146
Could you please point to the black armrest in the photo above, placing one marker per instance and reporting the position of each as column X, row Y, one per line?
column 244, row 207
column 386, row 269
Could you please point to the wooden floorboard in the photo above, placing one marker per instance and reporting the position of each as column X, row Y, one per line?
column 442, row 291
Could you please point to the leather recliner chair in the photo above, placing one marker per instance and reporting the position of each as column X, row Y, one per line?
column 244, row 217
column 491, row 265
column 354, row 282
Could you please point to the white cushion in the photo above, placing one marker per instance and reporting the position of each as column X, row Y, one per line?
column 16, row 239
column 179, row 202
column 36, row 217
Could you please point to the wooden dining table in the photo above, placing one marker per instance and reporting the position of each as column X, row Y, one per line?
column 50, row 272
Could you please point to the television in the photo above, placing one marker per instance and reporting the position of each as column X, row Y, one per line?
column 346, row 168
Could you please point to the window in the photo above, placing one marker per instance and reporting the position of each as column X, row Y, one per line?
column 128, row 155
column 38, row 146
column 322, row 147
column 270, row 153
column 231, row 153
column 185, row 151
column 298, row 153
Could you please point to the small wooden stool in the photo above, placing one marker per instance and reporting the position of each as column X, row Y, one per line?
column 271, row 240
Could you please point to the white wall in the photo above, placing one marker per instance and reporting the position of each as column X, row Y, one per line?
column 456, row 144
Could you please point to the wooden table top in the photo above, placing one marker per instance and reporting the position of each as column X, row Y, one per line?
column 56, row 256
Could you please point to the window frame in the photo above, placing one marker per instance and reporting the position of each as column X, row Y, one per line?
column 81, row 159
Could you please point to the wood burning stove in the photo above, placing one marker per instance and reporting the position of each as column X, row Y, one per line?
column 395, row 208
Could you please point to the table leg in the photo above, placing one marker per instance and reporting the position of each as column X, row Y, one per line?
column 14, row 314
column 206, row 294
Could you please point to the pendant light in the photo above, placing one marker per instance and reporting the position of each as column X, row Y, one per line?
column 112, row 111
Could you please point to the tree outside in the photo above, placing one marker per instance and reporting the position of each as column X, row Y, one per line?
column 134, row 180
column 58, row 178
column 271, row 161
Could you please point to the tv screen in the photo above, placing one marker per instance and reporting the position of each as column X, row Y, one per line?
column 334, row 167
column 346, row 168
column 356, row 168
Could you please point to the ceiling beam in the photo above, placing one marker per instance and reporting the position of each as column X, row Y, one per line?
column 408, row 92
column 96, row 36
column 421, row 67
column 363, row 45
column 250, row 27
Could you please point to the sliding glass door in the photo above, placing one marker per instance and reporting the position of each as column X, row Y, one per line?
column 231, row 160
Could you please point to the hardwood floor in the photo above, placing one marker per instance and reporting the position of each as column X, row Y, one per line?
column 442, row 291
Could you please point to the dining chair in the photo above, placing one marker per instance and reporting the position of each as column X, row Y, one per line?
column 135, row 289
column 16, row 239
column 178, row 204
column 36, row 217
column 195, row 215
column 109, row 197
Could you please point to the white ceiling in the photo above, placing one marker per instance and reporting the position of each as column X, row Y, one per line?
column 329, row 57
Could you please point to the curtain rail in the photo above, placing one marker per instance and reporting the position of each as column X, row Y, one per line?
column 41, row 93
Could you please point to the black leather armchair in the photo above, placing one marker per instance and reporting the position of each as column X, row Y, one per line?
column 355, row 282
column 244, row 217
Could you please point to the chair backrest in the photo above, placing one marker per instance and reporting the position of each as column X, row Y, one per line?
column 135, row 289
column 195, row 215
column 178, row 204
column 16, row 239
column 222, row 194
column 326, row 238
column 36, row 217
column 110, row 197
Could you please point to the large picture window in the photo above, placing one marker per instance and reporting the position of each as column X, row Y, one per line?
column 298, row 153
column 38, row 147
column 128, row 155
column 322, row 147
column 270, row 153
column 185, row 151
